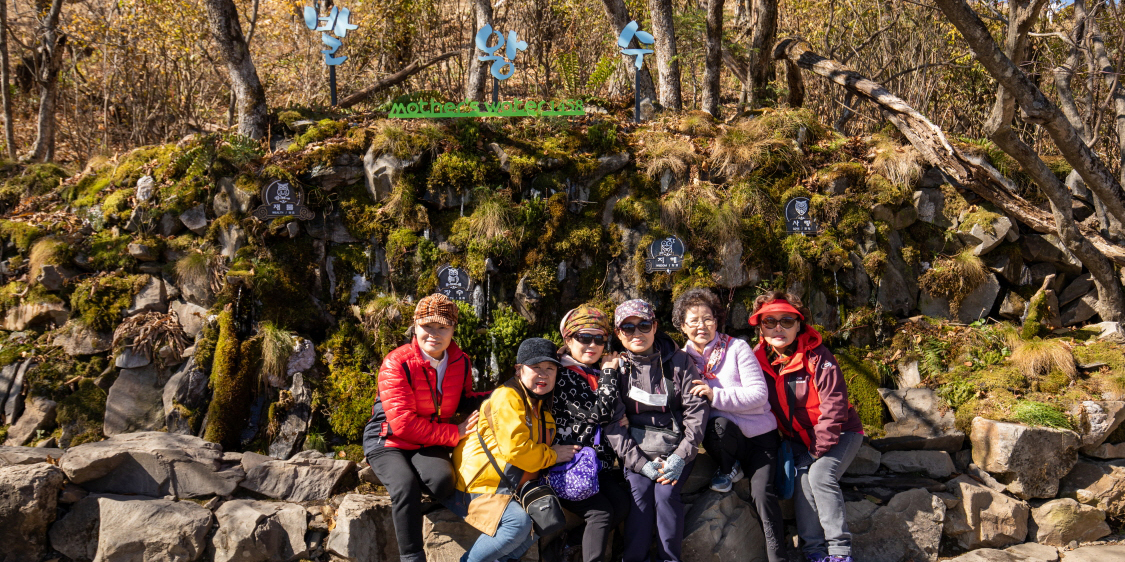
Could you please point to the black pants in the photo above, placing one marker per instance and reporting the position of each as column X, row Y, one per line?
column 602, row 512
column 406, row 474
column 758, row 456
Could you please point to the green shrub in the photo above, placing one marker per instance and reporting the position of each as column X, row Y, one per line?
column 1038, row 413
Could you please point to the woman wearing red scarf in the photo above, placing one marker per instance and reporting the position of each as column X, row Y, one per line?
column 809, row 397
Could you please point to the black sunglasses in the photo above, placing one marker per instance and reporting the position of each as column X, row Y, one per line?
column 587, row 339
column 645, row 326
column 786, row 322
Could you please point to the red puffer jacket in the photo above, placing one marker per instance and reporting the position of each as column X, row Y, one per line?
column 409, row 412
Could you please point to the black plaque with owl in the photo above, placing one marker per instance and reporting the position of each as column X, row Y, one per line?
column 797, row 217
column 454, row 283
column 665, row 254
column 280, row 199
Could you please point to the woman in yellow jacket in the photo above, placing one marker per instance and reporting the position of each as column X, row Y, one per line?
column 517, row 427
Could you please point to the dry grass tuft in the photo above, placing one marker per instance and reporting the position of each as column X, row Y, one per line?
column 45, row 251
column 900, row 164
column 277, row 346
column 1038, row 357
column 954, row 277
column 668, row 154
column 494, row 216
column 149, row 332
column 773, row 139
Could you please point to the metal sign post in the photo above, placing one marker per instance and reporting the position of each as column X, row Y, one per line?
column 335, row 22
column 511, row 45
column 630, row 32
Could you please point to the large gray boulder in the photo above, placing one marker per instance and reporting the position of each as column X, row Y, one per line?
column 136, row 401
column 10, row 456
column 195, row 219
column 382, row 172
column 979, row 302
column 78, row 339
column 1099, row 484
column 1097, row 553
column 192, row 317
column 152, row 464
column 301, row 478
column 996, row 555
column 1081, row 310
column 1029, row 460
column 897, row 293
column 989, row 240
column 151, row 298
column 984, row 517
column 257, row 531
column 151, row 530
column 13, row 403
column 447, row 538
column 919, row 412
column 364, row 531
column 935, row 464
column 75, row 535
column 867, row 461
column 1060, row 521
column 37, row 314
column 39, row 414
column 295, row 424
column 1096, row 421
column 1108, row 451
column 28, row 499
column 721, row 527
column 907, row 528
column 184, row 396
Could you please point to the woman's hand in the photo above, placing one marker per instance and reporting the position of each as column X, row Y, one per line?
column 467, row 427
column 566, row 452
column 611, row 360
column 701, row 389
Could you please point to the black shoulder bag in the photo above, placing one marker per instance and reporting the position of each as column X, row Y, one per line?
column 536, row 497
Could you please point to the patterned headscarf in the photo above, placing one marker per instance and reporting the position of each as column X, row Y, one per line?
column 582, row 318
column 635, row 307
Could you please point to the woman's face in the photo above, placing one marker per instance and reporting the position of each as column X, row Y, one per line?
column 587, row 353
column 434, row 338
column 539, row 378
column 775, row 333
column 699, row 325
column 633, row 335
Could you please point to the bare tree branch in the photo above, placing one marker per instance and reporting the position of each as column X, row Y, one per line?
column 410, row 70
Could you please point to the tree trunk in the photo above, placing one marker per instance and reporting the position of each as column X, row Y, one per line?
column 1036, row 107
column 664, row 31
column 1113, row 83
column 478, row 71
column 48, row 77
column 5, row 79
column 763, row 22
column 970, row 172
column 619, row 16
column 253, row 113
column 711, row 93
column 1022, row 15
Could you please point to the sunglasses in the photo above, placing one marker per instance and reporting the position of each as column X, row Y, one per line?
column 587, row 339
column 786, row 322
column 628, row 328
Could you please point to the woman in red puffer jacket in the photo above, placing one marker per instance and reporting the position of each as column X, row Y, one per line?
column 409, row 437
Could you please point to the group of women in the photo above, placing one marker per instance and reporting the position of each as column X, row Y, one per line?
column 643, row 412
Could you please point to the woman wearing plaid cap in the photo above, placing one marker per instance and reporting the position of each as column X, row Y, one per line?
column 666, row 424
column 410, row 435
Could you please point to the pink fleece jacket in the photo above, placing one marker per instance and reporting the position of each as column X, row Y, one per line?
column 740, row 390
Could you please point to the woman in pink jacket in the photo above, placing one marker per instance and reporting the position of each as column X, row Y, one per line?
column 742, row 432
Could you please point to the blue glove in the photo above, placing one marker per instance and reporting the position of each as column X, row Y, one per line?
column 673, row 467
column 651, row 470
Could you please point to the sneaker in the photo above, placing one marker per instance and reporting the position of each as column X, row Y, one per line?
column 839, row 558
column 816, row 557
column 723, row 483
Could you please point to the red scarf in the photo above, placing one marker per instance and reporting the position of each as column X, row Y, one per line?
column 591, row 379
column 806, row 342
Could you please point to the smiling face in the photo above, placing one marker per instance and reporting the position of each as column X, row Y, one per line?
column 699, row 325
column 778, row 336
column 538, row 378
column 434, row 338
column 586, row 353
column 638, row 341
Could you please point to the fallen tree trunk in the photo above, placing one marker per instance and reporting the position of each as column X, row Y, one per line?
column 396, row 78
column 972, row 173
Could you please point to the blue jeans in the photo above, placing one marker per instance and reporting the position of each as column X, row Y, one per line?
column 819, row 501
column 512, row 539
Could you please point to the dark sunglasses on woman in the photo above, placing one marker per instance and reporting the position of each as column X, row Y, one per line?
column 628, row 328
column 786, row 322
column 587, row 339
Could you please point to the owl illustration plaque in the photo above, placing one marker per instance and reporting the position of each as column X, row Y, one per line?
column 797, row 217
column 281, row 199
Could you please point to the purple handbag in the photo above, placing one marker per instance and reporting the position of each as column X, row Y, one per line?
column 577, row 479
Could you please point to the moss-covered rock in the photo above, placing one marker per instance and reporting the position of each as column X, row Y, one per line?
column 233, row 378
column 864, row 380
column 100, row 302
